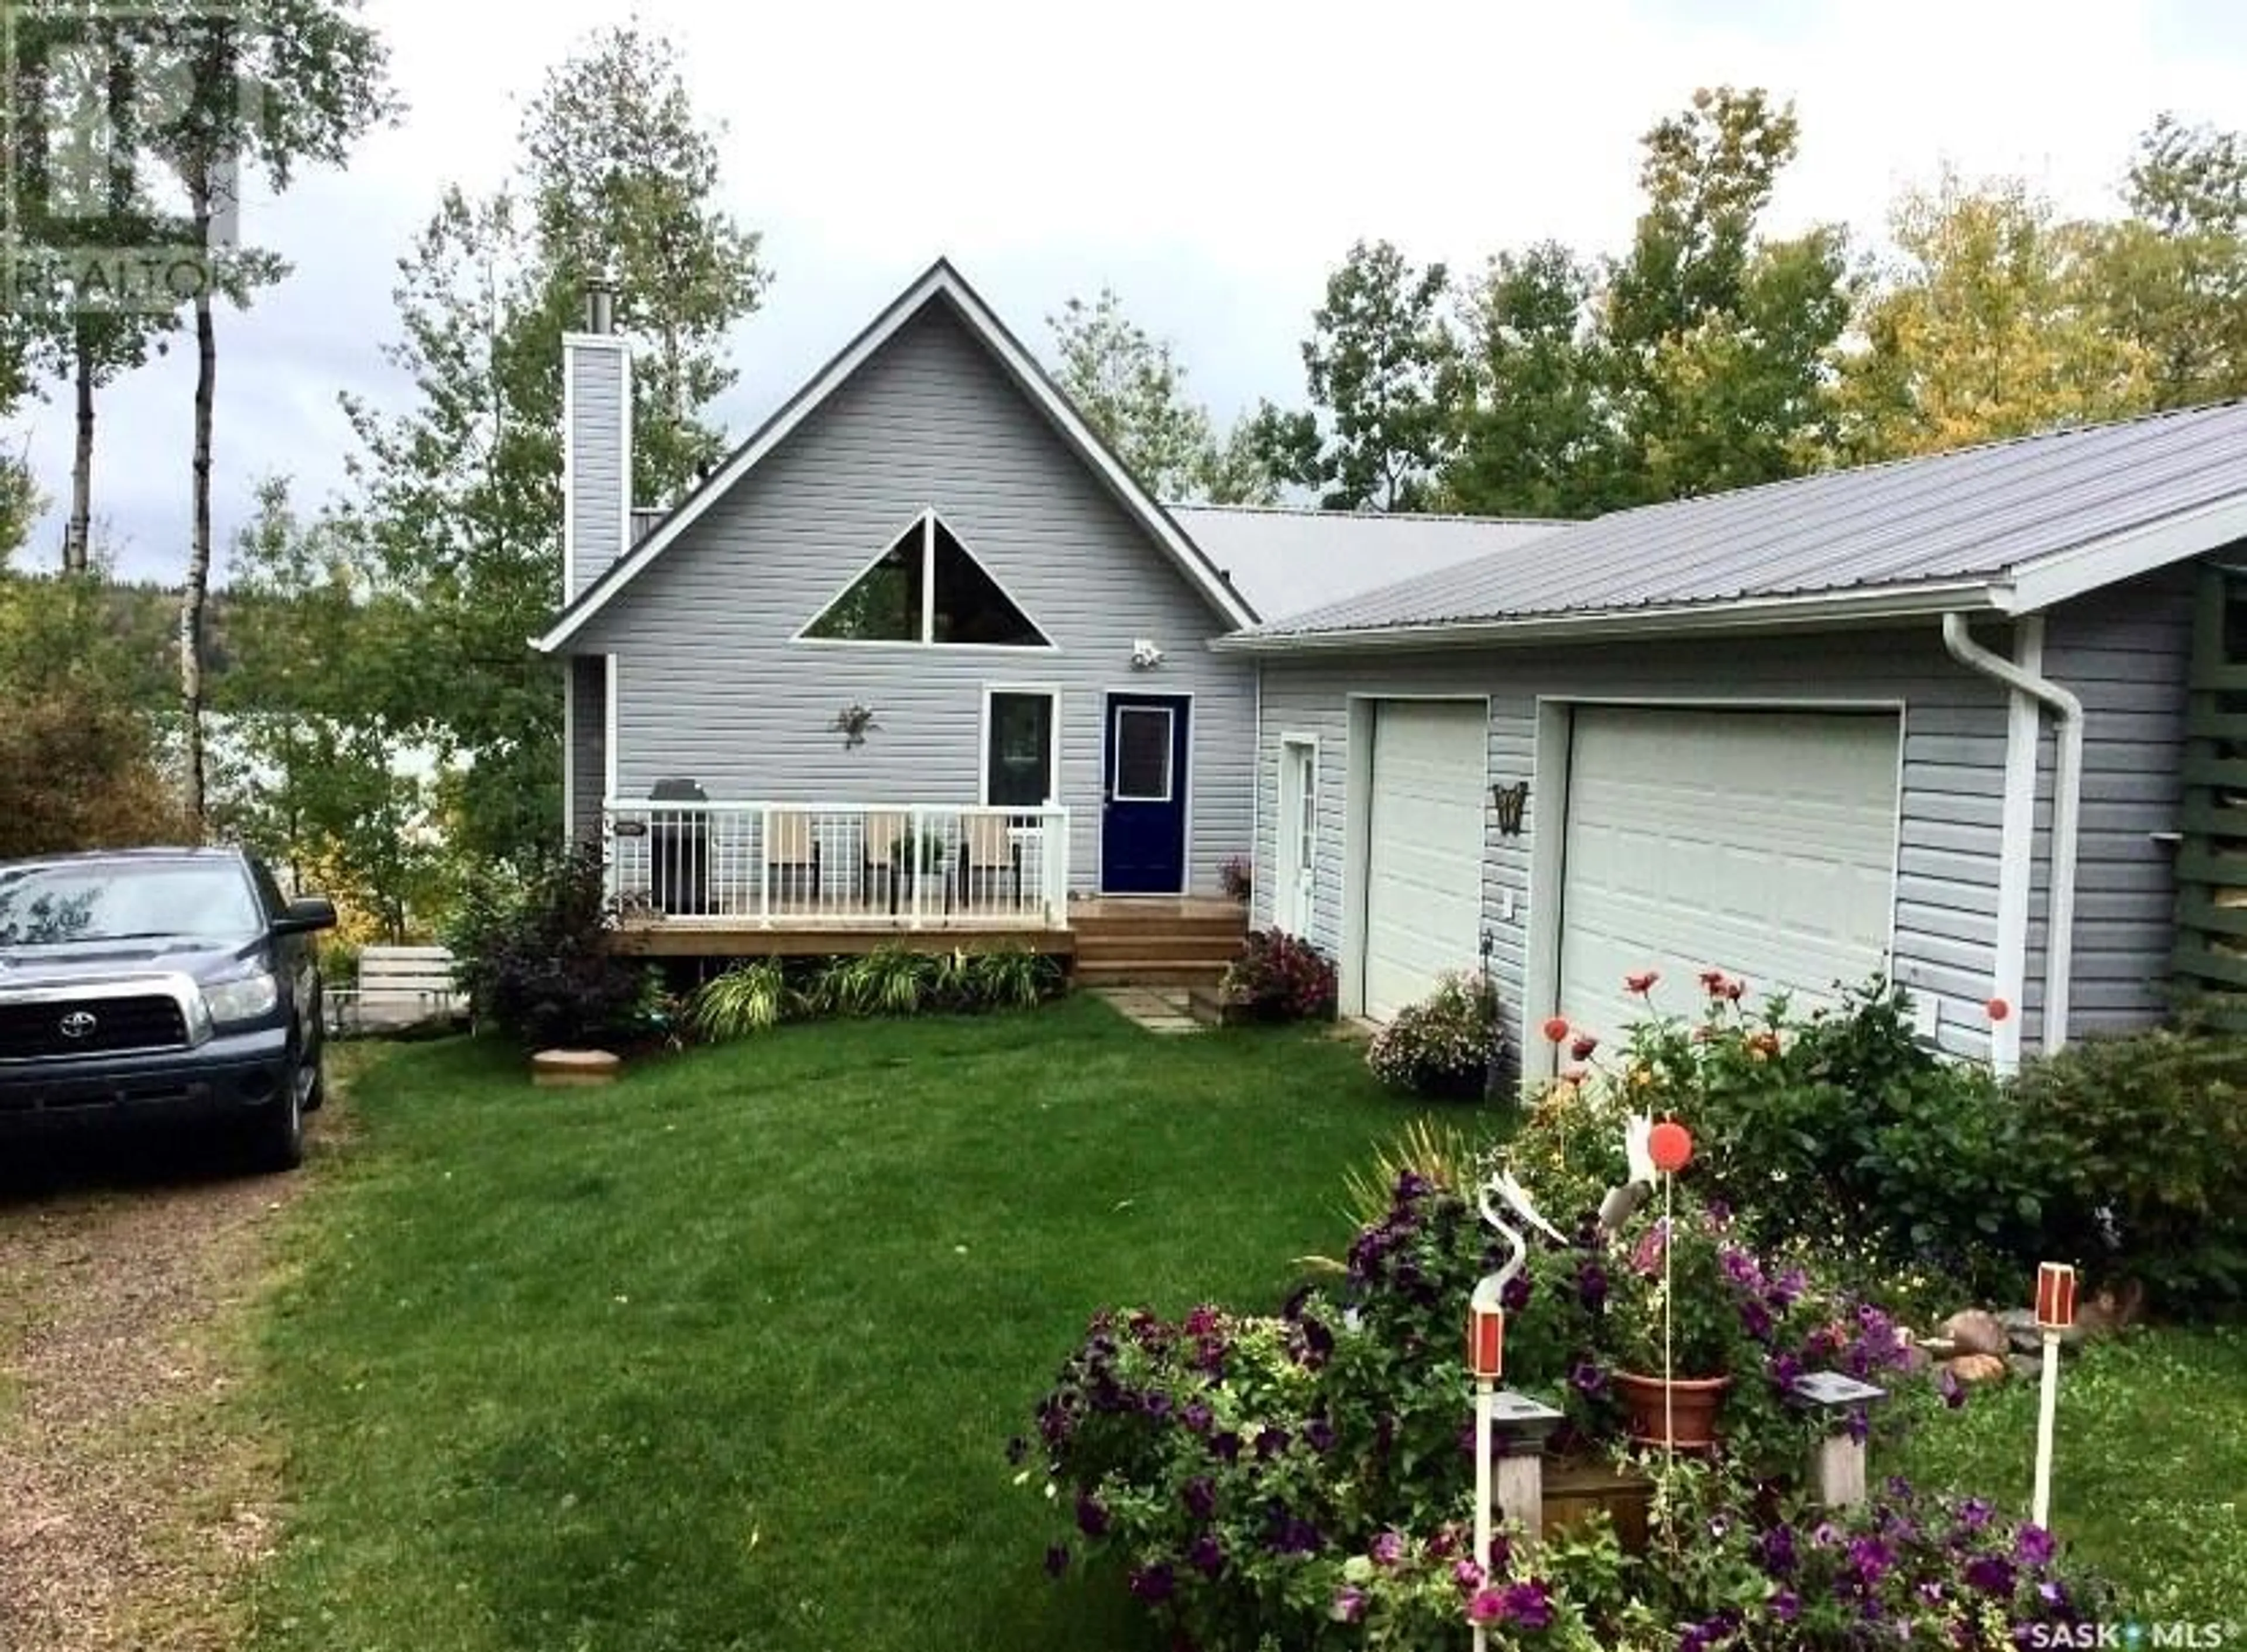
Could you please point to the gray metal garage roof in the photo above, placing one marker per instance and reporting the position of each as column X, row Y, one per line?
column 2011, row 525
column 1288, row 562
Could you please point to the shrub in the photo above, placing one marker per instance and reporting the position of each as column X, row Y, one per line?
column 1841, row 1123
column 1278, row 976
column 748, row 997
column 1011, row 977
column 887, row 981
column 2145, row 1136
column 1449, row 1046
column 531, row 953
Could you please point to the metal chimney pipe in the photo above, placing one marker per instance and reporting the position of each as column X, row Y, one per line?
column 600, row 307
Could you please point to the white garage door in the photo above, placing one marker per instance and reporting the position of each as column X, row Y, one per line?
column 1423, row 863
column 1759, row 844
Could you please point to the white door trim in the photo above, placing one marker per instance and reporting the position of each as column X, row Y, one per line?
column 1295, row 899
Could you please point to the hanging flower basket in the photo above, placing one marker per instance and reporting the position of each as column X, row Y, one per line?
column 1686, row 1419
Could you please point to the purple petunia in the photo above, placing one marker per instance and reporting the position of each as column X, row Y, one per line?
column 1154, row 1582
column 1587, row 1379
column 1196, row 1418
column 2033, row 1546
column 1974, row 1514
column 1775, row 1550
column 1319, row 1435
column 1755, row 1318
column 1870, row 1558
column 1529, row 1605
column 1201, row 1497
column 1467, row 1575
column 1515, row 1296
column 1953, row 1390
column 1270, row 1443
column 1091, row 1515
column 1348, row 1604
column 1387, row 1548
column 1226, row 1447
column 1992, row 1573
column 1786, row 1605
column 1207, row 1555
column 1592, row 1286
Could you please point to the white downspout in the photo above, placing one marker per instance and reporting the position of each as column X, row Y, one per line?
column 2066, row 814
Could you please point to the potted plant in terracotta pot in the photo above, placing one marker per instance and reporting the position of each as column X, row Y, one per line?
column 1672, row 1387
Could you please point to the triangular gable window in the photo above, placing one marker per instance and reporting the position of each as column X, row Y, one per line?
column 927, row 588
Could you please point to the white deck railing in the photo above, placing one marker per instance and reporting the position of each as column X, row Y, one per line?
column 882, row 865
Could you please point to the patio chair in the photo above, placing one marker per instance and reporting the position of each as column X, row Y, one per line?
column 882, row 853
column 987, row 850
column 792, row 855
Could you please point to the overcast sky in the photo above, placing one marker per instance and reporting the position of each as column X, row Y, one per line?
column 1210, row 159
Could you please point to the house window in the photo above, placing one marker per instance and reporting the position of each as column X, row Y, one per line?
column 1018, row 763
column 927, row 588
column 1143, row 755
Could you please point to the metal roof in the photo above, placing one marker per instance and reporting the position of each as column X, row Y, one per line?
column 1288, row 562
column 1982, row 523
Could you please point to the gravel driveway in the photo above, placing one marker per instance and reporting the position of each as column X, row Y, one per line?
column 135, row 1490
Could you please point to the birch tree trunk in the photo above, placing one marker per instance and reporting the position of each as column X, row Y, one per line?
column 199, row 545
column 78, row 531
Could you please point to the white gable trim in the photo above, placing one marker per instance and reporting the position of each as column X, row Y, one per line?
column 941, row 281
column 2045, row 581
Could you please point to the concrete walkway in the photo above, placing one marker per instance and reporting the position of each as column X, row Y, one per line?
column 1160, row 1009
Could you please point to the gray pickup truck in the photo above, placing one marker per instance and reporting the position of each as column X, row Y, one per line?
column 153, row 984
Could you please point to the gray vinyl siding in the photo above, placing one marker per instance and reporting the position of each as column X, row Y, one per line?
column 1953, row 764
column 597, row 462
column 710, row 687
column 2125, row 651
column 588, row 752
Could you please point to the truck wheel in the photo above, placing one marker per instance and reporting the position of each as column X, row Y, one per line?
column 277, row 1132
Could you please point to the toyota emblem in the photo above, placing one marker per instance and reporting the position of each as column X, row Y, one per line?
column 80, row 1023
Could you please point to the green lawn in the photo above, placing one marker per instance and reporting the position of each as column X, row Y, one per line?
column 2149, row 1476
column 726, row 1356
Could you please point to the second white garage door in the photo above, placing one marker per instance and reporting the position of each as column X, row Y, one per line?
column 1759, row 844
column 1424, row 862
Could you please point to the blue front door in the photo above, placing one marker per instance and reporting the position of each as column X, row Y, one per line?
column 1143, row 835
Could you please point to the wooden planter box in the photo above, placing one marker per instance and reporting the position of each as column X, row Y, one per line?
column 1575, row 1491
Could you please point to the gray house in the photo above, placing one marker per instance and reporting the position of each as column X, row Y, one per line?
column 1930, row 717
column 921, row 654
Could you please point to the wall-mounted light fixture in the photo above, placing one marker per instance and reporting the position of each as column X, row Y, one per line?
column 1145, row 655
column 1512, row 804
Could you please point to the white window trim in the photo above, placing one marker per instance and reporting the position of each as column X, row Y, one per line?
column 991, row 691
column 926, row 519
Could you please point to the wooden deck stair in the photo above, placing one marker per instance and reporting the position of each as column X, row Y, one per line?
column 1156, row 941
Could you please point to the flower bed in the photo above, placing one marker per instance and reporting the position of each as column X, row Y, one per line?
column 1306, row 1478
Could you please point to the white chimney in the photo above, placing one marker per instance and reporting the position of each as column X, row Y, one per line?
column 597, row 525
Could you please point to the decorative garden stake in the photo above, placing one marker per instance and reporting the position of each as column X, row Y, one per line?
column 2055, row 1313
column 1486, row 1346
column 1670, row 1145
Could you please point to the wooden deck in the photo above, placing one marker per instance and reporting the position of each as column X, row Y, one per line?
column 1113, row 938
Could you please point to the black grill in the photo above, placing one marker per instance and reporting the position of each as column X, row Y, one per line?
column 29, row 1031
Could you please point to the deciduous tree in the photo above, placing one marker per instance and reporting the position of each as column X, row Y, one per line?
column 1994, row 322
column 1382, row 366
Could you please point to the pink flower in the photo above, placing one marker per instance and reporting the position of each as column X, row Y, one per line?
column 1487, row 1607
column 1582, row 1048
column 1642, row 981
